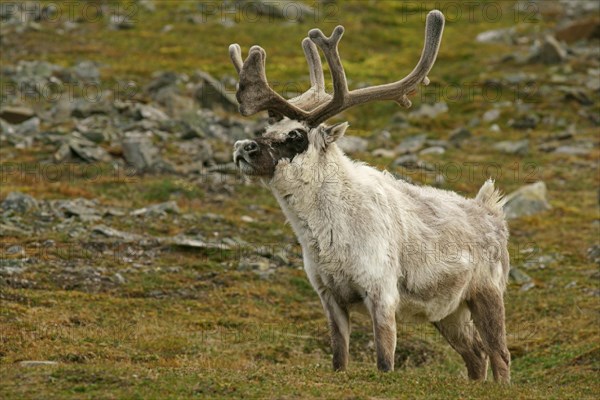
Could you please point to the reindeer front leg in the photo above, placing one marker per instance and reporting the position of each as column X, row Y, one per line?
column 383, row 314
column 339, row 328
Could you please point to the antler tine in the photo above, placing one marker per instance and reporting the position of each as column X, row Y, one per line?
column 316, row 95
column 254, row 93
column 397, row 91
column 235, row 52
column 329, row 45
column 314, row 65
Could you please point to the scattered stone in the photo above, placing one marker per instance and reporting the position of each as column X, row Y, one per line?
column 550, row 52
column 519, row 147
column 289, row 10
column 255, row 263
column 85, row 150
column 148, row 5
column 15, row 249
column 577, row 95
column 211, row 93
column 16, row 114
column 383, row 153
column 407, row 161
column 120, row 22
column 429, row 111
column 9, row 230
column 19, row 202
column 433, row 150
column 491, row 115
column 119, row 279
column 352, row 144
column 184, row 241
column 411, row 144
column 83, row 208
column 527, row 286
column 524, row 122
column 527, row 200
column 11, row 267
column 572, row 150
column 140, row 153
column 593, row 254
column 31, row 363
column 571, row 285
column 86, row 72
column 29, row 127
column 505, row 35
column 247, row 219
column 458, row 135
column 114, row 233
column 169, row 207
column 519, row 276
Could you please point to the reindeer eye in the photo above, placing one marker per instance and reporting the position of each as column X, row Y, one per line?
column 295, row 134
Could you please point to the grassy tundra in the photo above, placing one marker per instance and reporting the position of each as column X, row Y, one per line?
column 196, row 323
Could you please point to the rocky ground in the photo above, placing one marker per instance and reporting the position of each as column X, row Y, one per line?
column 118, row 191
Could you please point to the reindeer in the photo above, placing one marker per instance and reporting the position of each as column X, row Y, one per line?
column 370, row 241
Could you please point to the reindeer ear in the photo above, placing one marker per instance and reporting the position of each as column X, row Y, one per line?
column 334, row 132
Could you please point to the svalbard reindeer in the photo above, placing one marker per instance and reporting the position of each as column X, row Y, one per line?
column 419, row 253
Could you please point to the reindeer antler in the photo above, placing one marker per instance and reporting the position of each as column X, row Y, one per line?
column 315, row 105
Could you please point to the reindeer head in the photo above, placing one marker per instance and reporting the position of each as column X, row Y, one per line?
column 300, row 119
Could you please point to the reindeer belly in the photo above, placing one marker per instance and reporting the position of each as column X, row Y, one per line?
column 431, row 297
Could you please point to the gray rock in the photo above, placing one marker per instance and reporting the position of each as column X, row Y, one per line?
column 549, row 52
column 411, row 144
column 433, row 150
column 505, row 35
column 86, row 150
column 408, row 161
column 383, row 153
column 16, row 114
column 11, row 267
column 289, row 10
column 524, row 122
column 352, row 144
column 15, row 249
column 83, row 108
column 82, row 208
column 429, row 111
column 119, row 279
column 19, row 202
column 114, row 233
column 458, row 135
column 211, row 93
column 86, row 72
column 190, row 242
column 491, row 115
column 255, row 263
column 31, row 127
column 32, row 363
column 158, row 209
column 527, row 200
column 519, row 276
column 96, row 128
column 593, row 254
column 120, row 22
column 519, row 147
column 10, row 230
column 572, row 150
column 144, row 111
column 148, row 5
column 527, row 286
column 140, row 153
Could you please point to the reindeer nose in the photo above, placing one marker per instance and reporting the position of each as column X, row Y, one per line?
column 246, row 146
column 251, row 147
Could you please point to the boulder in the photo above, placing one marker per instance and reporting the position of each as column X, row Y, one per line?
column 527, row 200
